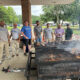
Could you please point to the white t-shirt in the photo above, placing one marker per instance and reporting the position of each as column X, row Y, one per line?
column 15, row 33
column 48, row 33
column 3, row 34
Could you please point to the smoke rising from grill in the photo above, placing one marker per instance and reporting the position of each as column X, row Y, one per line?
column 72, row 46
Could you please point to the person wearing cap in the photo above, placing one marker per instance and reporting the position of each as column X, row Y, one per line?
column 4, row 41
column 48, row 34
column 15, row 35
column 37, row 33
column 59, row 32
column 27, row 35
column 68, row 33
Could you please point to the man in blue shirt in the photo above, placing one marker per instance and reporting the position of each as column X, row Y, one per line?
column 26, row 32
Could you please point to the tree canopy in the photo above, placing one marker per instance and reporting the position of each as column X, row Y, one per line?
column 35, row 18
column 8, row 15
column 69, row 12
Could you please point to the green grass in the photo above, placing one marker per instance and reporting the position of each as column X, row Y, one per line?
column 9, row 28
column 77, row 32
column 54, row 27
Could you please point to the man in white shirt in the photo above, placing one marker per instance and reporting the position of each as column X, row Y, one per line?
column 15, row 34
column 48, row 33
column 4, row 41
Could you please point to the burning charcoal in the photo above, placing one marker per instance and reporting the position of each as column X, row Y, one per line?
column 78, row 57
column 52, row 56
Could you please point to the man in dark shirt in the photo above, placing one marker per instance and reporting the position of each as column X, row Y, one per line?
column 68, row 33
column 37, row 33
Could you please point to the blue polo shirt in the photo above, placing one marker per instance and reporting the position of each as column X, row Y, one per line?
column 27, row 31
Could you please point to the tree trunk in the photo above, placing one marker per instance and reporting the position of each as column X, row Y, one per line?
column 73, row 23
column 79, row 22
column 57, row 15
column 57, row 19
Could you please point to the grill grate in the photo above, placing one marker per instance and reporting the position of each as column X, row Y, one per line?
column 47, row 55
column 54, row 63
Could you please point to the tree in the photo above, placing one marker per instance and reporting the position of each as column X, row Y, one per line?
column 12, row 15
column 8, row 15
column 19, row 19
column 35, row 18
column 4, row 14
column 70, row 12
column 54, row 13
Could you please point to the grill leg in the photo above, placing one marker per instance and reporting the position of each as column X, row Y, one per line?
column 75, row 79
column 28, row 66
column 28, row 78
column 68, row 79
column 63, row 79
column 28, row 71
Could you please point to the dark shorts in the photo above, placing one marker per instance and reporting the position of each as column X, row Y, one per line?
column 27, row 42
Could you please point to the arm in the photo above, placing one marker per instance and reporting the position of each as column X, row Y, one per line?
column 52, row 36
column 19, row 38
column 35, row 33
column 41, row 30
column 71, row 37
column 31, row 35
column 44, row 35
column 8, row 36
column 11, row 34
column 63, row 32
column 55, row 33
column 22, row 32
column 71, row 34
column 8, row 39
column 24, row 35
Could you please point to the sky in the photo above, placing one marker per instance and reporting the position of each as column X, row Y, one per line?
column 36, row 10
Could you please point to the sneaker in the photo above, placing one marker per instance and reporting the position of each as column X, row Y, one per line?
column 17, row 54
column 25, row 54
column 0, row 62
column 13, row 55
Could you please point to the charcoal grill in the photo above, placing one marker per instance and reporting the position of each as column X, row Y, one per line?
column 56, row 64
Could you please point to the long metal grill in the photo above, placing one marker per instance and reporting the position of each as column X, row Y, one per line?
column 54, row 63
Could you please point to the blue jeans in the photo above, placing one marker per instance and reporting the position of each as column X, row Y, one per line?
column 39, row 39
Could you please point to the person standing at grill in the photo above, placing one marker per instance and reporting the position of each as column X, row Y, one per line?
column 59, row 32
column 68, row 33
column 15, row 34
column 37, row 33
column 48, row 34
column 4, row 41
column 27, row 35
